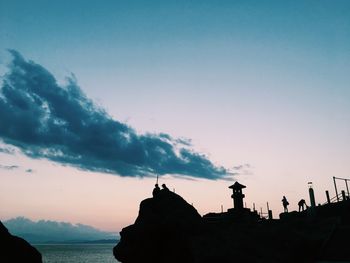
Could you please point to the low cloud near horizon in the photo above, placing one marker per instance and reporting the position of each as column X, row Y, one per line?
column 52, row 231
column 59, row 123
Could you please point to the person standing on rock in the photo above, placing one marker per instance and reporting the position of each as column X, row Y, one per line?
column 285, row 204
column 156, row 190
column 165, row 188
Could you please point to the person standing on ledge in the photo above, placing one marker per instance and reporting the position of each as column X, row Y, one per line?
column 165, row 188
column 285, row 204
column 156, row 190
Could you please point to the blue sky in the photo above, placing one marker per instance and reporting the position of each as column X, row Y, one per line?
column 257, row 82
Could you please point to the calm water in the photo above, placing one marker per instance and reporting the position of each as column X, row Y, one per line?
column 81, row 253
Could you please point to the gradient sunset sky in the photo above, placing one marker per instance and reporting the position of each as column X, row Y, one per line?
column 257, row 89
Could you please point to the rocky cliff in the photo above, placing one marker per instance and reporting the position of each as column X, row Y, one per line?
column 14, row 249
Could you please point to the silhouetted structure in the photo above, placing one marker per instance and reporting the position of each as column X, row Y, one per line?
column 285, row 204
column 174, row 227
column 302, row 205
column 156, row 190
column 237, row 195
column 179, row 234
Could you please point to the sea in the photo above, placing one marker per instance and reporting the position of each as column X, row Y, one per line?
column 76, row 253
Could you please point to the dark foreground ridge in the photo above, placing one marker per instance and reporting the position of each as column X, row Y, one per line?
column 169, row 230
column 15, row 249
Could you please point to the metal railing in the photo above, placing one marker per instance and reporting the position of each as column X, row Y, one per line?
column 335, row 185
column 337, row 198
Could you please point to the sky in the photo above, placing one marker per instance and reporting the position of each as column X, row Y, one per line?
column 199, row 92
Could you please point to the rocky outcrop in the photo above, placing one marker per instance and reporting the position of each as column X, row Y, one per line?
column 169, row 230
column 162, row 232
column 14, row 249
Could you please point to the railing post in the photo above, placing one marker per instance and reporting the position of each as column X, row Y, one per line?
column 270, row 214
column 347, row 187
column 343, row 195
column 336, row 190
column 328, row 199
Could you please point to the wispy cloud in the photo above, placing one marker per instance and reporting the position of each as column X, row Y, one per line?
column 242, row 169
column 9, row 167
column 6, row 150
column 59, row 123
column 16, row 167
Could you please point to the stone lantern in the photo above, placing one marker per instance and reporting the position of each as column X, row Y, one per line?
column 237, row 195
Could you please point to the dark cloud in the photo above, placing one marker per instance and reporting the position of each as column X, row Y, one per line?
column 59, row 123
column 52, row 231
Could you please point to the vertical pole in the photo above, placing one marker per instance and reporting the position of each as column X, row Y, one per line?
column 343, row 195
column 269, row 212
column 261, row 213
column 312, row 195
column 336, row 190
column 157, row 178
column 253, row 206
column 222, row 208
column 328, row 199
column 245, row 204
column 347, row 187
column 270, row 215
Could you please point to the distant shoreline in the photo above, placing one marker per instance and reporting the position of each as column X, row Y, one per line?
column 78, row 242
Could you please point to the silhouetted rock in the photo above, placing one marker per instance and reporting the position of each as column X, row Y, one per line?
column 168, row 230
column 161, row 232
column 15, row 249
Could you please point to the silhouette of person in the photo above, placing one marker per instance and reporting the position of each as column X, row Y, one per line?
column 302, row 204
column 165, row 188
column 285, row 204
column 156, row 190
